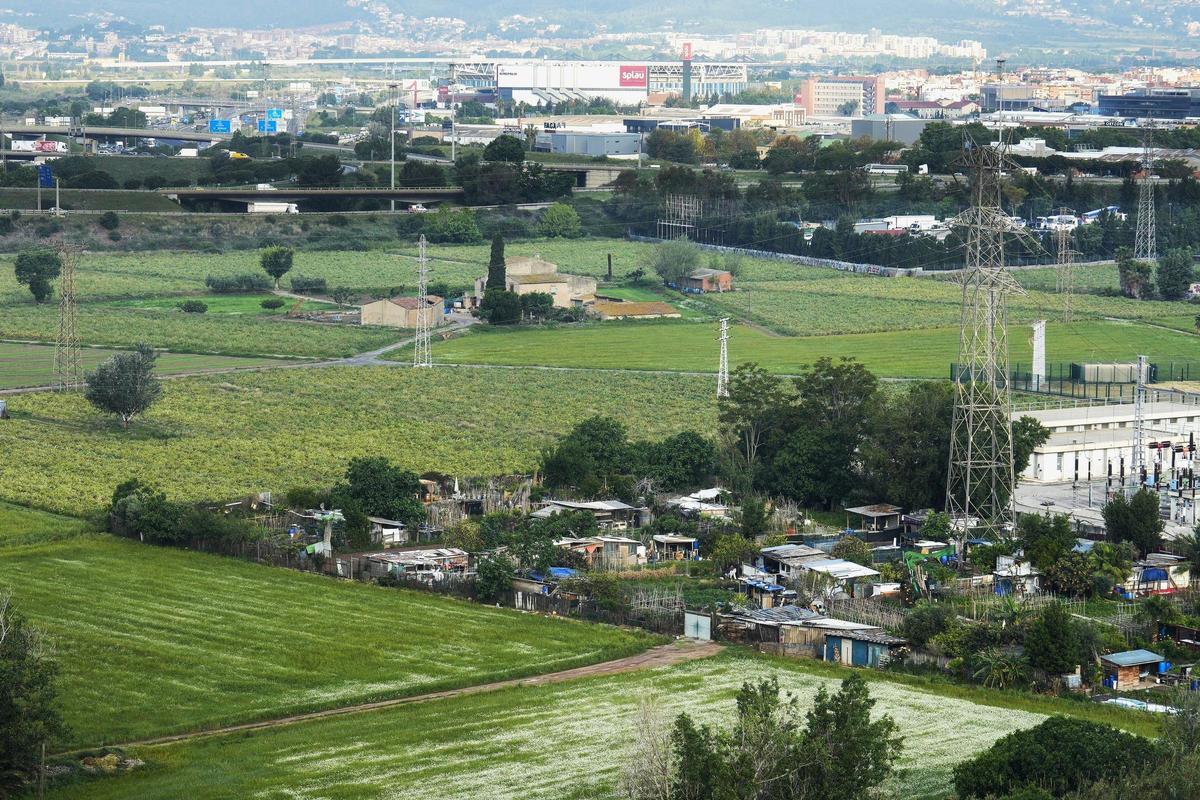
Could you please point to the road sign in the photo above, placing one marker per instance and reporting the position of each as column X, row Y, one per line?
column 274, row 113
column 45, row 176
column 219, row 126
column 267, row 126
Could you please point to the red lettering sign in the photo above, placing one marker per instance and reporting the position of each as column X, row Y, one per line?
column 633, row 77
column 687, row 51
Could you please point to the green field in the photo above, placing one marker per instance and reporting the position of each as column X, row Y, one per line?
column 556, row 742
column 33, row 364
column 242, row 304
column 156, row 640
column 197, row 333
column 224, row 436
column 88, row 200
column 691, row 347
column 23, row 526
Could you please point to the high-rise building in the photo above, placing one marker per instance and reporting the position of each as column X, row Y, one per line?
column 829, row 95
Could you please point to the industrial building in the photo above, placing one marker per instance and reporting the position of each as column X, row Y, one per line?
column 1155, row 103
column 827, row 96
column 588, row 144
column 1089, row 456
column 544, row 82
column 889, row 128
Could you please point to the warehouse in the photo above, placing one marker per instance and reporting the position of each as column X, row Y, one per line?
column 589, row 144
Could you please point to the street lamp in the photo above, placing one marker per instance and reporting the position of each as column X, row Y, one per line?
column 392, row 137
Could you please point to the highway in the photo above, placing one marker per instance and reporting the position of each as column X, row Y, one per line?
column 124, row 133
column 284, row 194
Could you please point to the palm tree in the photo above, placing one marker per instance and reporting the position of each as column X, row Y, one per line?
column 1000, row 669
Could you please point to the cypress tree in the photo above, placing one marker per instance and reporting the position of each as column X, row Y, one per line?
column 495, row 276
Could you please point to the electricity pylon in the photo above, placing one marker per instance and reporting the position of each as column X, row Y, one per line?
column 980, row 480
column 723, row 366
column 1065, row 260
column 1145, row 247
column 422, row 354
column 68, row 366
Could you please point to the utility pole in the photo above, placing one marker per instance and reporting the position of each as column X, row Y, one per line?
column 394, row 99
column 723, row 365
column 422, row 355
column 1145, row 247
column 1066, row 259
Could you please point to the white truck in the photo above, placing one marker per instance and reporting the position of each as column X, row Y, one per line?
column 39, row 146
column 272, row 208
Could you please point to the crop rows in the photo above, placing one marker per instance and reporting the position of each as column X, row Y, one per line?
column 155, row 640
column 228, row 435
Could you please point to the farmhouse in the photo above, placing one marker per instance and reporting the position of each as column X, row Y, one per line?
column 703, row 280
column 1127, row 670
column 524, row 275
column 704, row 503
column 402, row 312
column 788, row 560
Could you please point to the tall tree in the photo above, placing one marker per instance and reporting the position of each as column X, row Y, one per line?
column 1134, row 276
column 125, row 385
column 1135, row 520
column 749, row 413
column 276, row 262
column 29, row 717
column 379, row 488
column 35, row 269
column 1176, row 272
column 496, row 277
column 1051, row 642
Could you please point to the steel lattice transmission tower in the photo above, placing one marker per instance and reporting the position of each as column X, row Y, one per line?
column 68, row 367
column 723, row 367
column 422, row 354
column 1066, row 260
column 1138, row 465
column 980, row 479
column 1145, row 247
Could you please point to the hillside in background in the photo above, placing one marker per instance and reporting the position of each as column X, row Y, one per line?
column 1014, row 24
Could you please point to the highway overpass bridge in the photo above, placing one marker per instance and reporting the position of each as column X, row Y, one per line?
column 101, row 132
column 410, row 196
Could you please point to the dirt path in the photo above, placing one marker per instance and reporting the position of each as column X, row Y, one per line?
column 661, row 656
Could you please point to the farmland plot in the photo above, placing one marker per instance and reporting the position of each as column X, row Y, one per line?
column 156, row 640
column 499, row 746
column 225, row 436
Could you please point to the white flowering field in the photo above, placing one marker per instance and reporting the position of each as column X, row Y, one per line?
column 544, row 743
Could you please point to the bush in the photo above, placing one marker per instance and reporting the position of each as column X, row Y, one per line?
column 273, row 303
column 926, row 621
column 109, row 221
column 132, row 183
column 306, row 285
column 193, row 306
column 1057, row 756
column 114, row 236
column 250, row 282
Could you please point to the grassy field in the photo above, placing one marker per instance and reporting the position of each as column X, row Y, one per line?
column 156, row 640
column 22, row 526
column 197, row 333
column 551, row 742
column 88, row 200
column 690, row 347
column 33, row 364
column 226, row 435
column 242, row 304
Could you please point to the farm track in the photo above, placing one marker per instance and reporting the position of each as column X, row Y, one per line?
column 661, row 656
